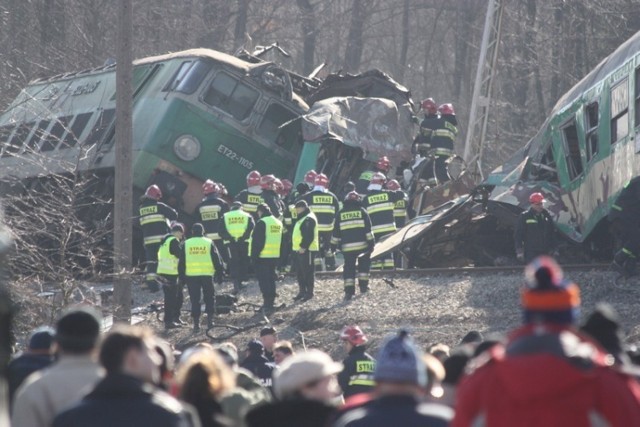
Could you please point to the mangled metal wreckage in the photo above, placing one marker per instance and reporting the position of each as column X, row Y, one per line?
column 580, row 160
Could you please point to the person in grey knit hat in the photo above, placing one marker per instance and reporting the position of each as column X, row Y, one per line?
column 401, row 380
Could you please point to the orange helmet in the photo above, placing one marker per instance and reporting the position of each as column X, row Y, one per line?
column 321, row 180
column 153, row 192
column 352, row 196
column 310, row 177
column 392, row 185
column 378, row 178
column 268, row 182
column 253, row 179
column 209, row 187
column 354, row 335
column 429, row 105
column 446, row 109
column 536, row 198
column 384, row 164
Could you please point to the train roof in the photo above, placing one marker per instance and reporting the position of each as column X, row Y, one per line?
column 230, row 60
column 609, row 64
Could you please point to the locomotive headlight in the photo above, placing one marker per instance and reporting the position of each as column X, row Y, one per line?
column 187, row 147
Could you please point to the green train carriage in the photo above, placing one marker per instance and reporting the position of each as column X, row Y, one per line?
column 197, row 114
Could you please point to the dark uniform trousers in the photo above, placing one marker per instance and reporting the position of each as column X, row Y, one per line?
column 265, row 273
column 305, row 271
column 172, row 298
column 238, row 262
column 363, row 262
column 151, row 267
column 201, row 286
column 325, row 252
column 224, row 253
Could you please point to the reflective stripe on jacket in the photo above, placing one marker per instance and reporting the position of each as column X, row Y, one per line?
column 198, row 257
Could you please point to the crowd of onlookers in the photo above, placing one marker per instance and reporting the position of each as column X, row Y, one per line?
column 550, row 371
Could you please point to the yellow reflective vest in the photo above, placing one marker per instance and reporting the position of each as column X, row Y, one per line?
column 167, row 262
column 236, row 223
column 197, row 251
column 273, row 237
column 296, row 237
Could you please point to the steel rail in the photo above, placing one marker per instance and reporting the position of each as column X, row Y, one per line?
column 463, row 270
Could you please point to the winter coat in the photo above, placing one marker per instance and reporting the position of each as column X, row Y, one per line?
column 23, row 366
column 396, row 410
column 535, row 234
column 291, row 413
column 546, row 375
column 259, row 366
column 124, row 401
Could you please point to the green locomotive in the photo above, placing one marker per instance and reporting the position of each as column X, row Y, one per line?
column 197, row 114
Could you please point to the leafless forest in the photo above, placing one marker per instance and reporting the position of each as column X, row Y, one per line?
column 430, row 46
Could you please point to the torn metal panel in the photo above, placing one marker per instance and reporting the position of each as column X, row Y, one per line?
column 377, row 126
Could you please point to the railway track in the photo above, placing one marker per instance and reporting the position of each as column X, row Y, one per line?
column 463, row 270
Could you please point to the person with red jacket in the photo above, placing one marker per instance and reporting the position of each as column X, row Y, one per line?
column 547, row 373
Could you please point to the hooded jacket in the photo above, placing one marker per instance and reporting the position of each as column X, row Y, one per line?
column 550, row 376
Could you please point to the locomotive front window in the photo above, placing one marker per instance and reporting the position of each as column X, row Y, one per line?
column 188, row 77
column 231, row 96
column 78, row 125
column 19, row 137
column 51, row 141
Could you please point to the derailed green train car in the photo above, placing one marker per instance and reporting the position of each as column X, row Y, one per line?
column 197, row 114
column 583, row 155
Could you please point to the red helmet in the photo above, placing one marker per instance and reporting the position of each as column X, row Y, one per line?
column 253, row 179
column 354, row 335
column 209, row 187
column 384, row 164
column 310, row 177
column 446, row 109
column 429, row 105
column 378, row 178
column 536, row 198
column 392, row 185
column 352, row 196
column 268, row 182
column 321, row 180
column 287, row 186
column 153, row 192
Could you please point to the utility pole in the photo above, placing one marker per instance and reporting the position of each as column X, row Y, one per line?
column 482, row 88
column 123, row 203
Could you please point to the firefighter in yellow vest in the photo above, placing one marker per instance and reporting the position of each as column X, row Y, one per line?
column 235, row 230
column 200, row 265
column 266, row 240
column 168, row 259
column 305, row 244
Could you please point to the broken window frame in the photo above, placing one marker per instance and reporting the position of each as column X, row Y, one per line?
column 276, row 134
column 189, row 76
column 619, row 106
column 592, row 122
column 229, row 100
column 546, row 168
column 571, row 147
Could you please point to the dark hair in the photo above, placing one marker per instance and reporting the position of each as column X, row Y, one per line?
column 118, row 342
column 197, row 229
column 78, row 330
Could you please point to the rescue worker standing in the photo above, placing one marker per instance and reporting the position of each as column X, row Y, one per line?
column 266, row 240
column 269, row 196
column 380, row 204
column 534, row 234
column 422, row 142
column 155, row 218
column 168, row 259
column 211, row 209
column 325, row 205
column 252, row 196
column 236, row 229
column 305, row 243
column 383, row 165
column 400, row 206
column 359, row 366
column 199, row 265
column 625, row 223
column 442, row 143
column 352, row 235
